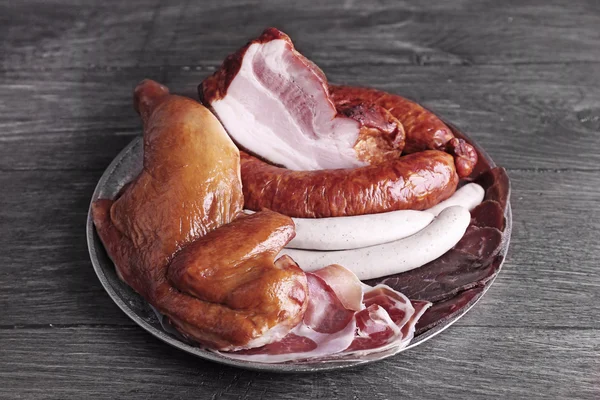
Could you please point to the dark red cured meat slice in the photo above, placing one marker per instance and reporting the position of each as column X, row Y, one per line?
column 496, row 185
column 435, row 280
column 291, row 343
column 483, row 243
column 443, row 278
column 444, row 310
column 488, row 214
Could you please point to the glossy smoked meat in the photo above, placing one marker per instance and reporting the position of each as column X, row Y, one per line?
column 188, row 191
column 381, row 135
column 417, row 181
column 423, row 129
column 189, row 184
column 235, row 266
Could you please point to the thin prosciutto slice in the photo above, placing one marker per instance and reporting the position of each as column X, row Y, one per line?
column 328, row 328
column 333, row 329
column 275, row 103
column 381, row 322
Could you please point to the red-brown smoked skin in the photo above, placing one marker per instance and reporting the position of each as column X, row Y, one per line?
column 233, row 266
column 178, row 214
column 423, row 130
column 417, row 181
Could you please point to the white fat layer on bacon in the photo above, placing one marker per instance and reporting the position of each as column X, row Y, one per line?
column 393, row 257
column 278, row 108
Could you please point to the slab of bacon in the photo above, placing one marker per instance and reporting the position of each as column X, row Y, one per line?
column 275, row 103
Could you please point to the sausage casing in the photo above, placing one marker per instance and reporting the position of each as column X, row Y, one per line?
column 417, row 181
column 423, row 129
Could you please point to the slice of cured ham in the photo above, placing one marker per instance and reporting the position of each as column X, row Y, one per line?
column 332, row 330
column 275, row 103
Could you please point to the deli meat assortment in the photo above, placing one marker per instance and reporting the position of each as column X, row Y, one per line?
column 284, row 219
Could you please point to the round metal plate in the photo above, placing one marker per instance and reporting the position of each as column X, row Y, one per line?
column 123, row 169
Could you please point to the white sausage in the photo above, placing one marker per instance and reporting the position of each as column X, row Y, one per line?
column 394, row 257
column 340, row 233
column 468, row 196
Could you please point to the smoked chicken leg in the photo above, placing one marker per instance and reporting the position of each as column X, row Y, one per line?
column 168, row 236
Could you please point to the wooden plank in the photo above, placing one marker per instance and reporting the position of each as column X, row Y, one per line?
column 118, row 362
column 521, row 76
column 67, row 118
column 547, row 281
column 79, row 33
column 526, row 118
column 46, row 276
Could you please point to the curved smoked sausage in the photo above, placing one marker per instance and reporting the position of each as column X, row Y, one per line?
column 417, row 181
column 423, row 129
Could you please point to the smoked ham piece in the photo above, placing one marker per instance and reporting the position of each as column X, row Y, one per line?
column 224, row 290
column 275, row 104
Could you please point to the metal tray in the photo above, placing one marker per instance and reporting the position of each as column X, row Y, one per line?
column 123, row 169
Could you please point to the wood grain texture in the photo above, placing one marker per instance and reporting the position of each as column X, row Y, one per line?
column 79, row 33
column 466, row 362
column 521, row 77
column 527, row 117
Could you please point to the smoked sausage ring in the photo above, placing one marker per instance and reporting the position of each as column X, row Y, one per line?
column 417, row 181
column 423, row 129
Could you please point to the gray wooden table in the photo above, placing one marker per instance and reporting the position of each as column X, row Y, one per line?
column 521, row 77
